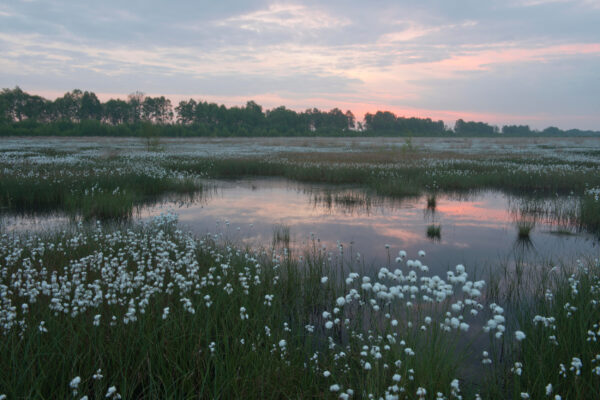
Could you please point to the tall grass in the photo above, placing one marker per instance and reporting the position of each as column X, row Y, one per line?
column 590, row 211
column 524, row 228
column 281, row 235
column 163, row 315
column 180, row 317
column 434, row 232
column 558, row 311
column 95, row 195
column 411, row 178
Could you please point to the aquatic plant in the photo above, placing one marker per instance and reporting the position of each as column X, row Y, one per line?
column 524, row 228
column 434, row 232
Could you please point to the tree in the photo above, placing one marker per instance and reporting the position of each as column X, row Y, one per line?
column 382, row 121
column 350, row 120
column 284, row 120
column 135, row 101
column 116, row 112
column 516, row 130
column 185, row 111
column 474, row 128
column 91, row 108
column 68, row 107
column 15, row 101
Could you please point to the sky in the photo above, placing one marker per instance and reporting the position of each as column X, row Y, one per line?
column 533, row 62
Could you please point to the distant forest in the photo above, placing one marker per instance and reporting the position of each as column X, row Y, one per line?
column 80, row 113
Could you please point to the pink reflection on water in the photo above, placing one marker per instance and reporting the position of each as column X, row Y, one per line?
column 473, row 228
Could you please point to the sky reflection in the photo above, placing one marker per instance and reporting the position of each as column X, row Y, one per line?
column 478, row 230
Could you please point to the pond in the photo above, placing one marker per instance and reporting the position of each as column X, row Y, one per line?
column 479, row 230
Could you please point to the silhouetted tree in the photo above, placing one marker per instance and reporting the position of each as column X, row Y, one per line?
column 116, row 111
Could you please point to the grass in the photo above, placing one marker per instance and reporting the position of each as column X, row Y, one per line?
column 558, row 311
column 590, row 211
column 405, row 178
column 92, row 192
column 524, row 228
column 193, row 318
column 29, row 184
column 214, row 351
column 431, row 203
column 434, row 232
column 185, row 317
column 281, row 235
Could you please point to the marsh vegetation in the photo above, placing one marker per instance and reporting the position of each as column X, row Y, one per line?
column 143, row 308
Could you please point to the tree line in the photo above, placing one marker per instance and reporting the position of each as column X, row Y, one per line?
column 81, row 113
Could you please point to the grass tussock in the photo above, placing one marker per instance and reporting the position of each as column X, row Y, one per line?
column 524, row 228
column 281, row 235
column 434, row 232
column 431, row 203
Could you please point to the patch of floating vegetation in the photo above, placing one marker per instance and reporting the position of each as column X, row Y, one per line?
column 149, row 311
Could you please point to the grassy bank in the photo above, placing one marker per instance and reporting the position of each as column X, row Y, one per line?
column 158, row 313
column 103, row 189
column 407, row 178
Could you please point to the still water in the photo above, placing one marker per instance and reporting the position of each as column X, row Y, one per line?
column 478, row 230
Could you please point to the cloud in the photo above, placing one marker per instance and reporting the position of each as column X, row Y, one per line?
column 408, row 57
column 285, row 17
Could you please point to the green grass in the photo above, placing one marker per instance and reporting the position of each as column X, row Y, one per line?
column 94, row 194
column 171, row 357
column 558, row 310
column 102, row 271
column 524, row 228
column 590, row 213
column 281, row 235
column 431, row 203
column 434, row 232
column 402, row 179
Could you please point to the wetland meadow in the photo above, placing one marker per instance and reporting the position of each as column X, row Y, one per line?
column 377, row 268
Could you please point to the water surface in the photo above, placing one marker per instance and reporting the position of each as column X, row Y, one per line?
column 478, row 230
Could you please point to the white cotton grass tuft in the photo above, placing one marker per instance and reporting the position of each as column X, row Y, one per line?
column 520, row 335
column 112, row 393
column 74, row 385
column 75, row 382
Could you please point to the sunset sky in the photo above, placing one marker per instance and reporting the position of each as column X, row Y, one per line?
column 531, row 62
